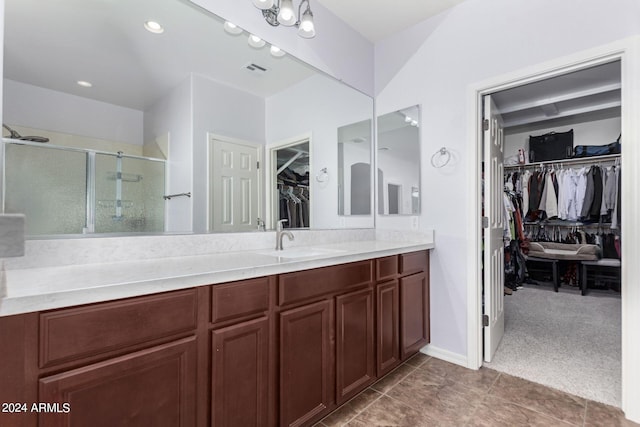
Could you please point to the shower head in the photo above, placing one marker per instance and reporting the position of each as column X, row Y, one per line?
column 15, row 135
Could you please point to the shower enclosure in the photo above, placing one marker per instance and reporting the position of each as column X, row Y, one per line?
column 64, row 190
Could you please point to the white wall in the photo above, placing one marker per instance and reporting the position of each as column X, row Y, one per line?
column 35, row 107
column 224, row 111
column 354, row 153
column 311, row 107
column 597, row 132
column 397, row 167
column 337, row 49
column 474, row 41
column 172, row 117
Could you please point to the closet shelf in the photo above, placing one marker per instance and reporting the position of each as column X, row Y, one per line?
column 572, row 161
column 563, row 223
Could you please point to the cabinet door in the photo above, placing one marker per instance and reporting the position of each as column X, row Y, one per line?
column 414, row 314
column 388, row 327
column 305, row 362
column 152, row 387
column 240, row 374
column 354, row 340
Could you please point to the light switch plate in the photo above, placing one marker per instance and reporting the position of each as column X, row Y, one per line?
column 11, row 235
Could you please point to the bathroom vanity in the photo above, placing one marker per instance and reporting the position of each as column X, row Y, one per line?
column 284, row 348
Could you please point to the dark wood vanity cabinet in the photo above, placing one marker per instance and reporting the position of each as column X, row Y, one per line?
column 280, row 350
column 414, row 303
column 306, row 362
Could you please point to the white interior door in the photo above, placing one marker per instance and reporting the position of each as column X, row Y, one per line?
column 493, row 234
column 233, row 201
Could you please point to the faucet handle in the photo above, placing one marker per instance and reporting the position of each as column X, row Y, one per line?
column 280, row 223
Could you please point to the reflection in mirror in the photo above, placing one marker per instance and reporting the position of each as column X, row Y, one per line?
column 399, row 162
column 95, row 79
column 354, row 169
column 292, row 181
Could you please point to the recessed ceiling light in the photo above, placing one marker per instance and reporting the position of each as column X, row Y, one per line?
column 84, row 83
column 232, row 28
column 154, row 27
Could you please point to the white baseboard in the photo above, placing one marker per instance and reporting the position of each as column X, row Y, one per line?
column 446, row 355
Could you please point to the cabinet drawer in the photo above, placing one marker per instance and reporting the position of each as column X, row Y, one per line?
column 386, row 268
column 75, row 333
column 301, row 285
column 414, row 262
column 239, row 299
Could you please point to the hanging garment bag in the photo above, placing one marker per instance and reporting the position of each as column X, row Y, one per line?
column 551, row 146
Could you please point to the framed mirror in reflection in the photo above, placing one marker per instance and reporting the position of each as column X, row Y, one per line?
column 186, row 106
column 399, row 162
column 354, row 169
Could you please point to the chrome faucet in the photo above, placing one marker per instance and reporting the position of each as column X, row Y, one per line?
column 280, row 233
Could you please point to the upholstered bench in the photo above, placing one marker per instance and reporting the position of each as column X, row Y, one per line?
column 552, row 252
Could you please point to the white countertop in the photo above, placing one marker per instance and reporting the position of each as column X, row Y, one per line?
column 34, row 289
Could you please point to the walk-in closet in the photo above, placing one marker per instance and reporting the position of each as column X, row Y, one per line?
column 562, row 232
column 292, row 176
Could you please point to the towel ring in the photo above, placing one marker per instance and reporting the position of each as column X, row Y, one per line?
column 443, row 152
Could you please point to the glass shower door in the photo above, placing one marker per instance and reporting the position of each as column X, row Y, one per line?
column 128, row 194
column 48, row 186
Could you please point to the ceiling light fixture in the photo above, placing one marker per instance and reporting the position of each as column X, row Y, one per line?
column 154, row 27
column 283, row 13
column 232, row 28
column 84, row 83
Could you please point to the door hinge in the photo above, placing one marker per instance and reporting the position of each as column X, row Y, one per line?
column 257, row 165
column 485, row 124
column 485, row 320
column 485, row 222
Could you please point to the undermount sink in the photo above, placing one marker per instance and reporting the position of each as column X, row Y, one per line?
column 300, row 252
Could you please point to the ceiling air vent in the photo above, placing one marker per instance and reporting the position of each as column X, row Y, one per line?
column 256, row 69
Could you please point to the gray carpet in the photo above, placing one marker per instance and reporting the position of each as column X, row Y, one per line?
column 564, row 340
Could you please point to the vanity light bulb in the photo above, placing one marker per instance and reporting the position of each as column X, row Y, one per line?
column 255, row 41
column 414, row 123
column 407, row 119
column 232, row 28
column 277, row 52
column 307, row 28
column 286, row 16
column 263, row 4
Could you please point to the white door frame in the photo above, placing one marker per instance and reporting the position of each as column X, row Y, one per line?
column 628, row 52
column 260, row 148
column 271, row 210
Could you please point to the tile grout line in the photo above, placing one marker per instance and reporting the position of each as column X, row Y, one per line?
column 365, row 408
column 584, row 417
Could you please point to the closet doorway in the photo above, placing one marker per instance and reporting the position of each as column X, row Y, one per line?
column 552, row 332
column 290, row 189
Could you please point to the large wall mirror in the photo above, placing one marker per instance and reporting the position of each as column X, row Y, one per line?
column 399, row 162
column 113, row 125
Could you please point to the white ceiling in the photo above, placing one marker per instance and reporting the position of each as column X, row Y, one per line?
column 593, row 90
column 378, row 19
column 53, row 44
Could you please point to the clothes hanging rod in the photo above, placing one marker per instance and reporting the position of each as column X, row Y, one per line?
column 574, row 161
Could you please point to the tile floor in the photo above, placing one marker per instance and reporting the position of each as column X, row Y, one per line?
column 426, row 391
